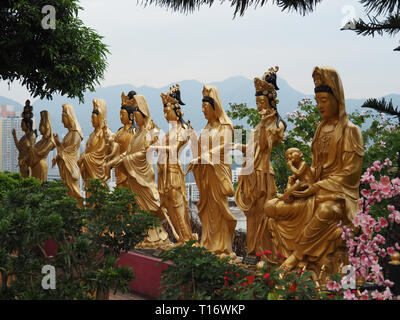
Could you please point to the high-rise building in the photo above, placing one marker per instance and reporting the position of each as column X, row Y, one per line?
column 9, row 120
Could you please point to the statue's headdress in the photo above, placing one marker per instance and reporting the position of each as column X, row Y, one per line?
column 266, row 86
column 129, row 104
column 173, row 98
column 27, row 115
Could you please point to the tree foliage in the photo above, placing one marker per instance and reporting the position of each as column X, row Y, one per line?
column 375, row 9
column 67, row 60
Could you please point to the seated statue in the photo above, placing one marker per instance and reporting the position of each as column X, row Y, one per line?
column 307, row 230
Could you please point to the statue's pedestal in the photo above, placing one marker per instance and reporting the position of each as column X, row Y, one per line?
column 147, row 271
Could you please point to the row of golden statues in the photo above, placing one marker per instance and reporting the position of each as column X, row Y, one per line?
column 302, row 223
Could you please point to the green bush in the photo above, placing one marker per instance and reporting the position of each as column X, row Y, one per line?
column 89, row 240
column 195, row 273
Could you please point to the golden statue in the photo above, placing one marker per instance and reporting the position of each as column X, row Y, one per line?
column 301, row 176
column 306, row 229
column 92, row 161
column 134, row 164
column 39, row 152
column 27, row 140
column 256, row 182
column 68, row 151
column 171, row 179
column 212, row 171
column 120, row 142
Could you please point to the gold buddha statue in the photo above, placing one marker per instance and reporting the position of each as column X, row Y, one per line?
column 256, row 182
column 68, row 151
column 306, row 229
column 211, row 167
column 92, row 161
column 27, row 141
column 39, row 152
column 122, row 138
column 171, row 179
column 134, row 164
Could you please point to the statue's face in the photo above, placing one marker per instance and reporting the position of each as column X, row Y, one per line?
column 295, row 157
column 43, row 129
column 65, row 119
column 124, row 116
column 139, row 119
column 208, row 111
column 169, row 113
column 95, row 121
column 24, row 127
column 327, row 105
column 262, row 104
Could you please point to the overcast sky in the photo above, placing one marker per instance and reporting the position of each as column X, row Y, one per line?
column 152, row 46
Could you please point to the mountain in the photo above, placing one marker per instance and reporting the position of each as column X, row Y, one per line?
column 232, row 90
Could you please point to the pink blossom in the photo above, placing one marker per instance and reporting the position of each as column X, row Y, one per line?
column 390, row 251
column 385, row 180
column 374, row 186
column 364, row 295
column 379, row 239
column 387, row 162
column 396, row 181
column 365, row 193
column 389, row 283
column 377, row 165
column 376, row 268
column 376, row 294
column 382, row 253
column 383, row 222
column 397, row 246
column 348, row 295
column 333, row 286
column 387, row 295
column 386, row 190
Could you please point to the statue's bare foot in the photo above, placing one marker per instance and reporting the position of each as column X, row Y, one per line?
column 289, row 263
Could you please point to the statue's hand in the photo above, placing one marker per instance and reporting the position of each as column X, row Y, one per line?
column 14, row 133
column 312, row 189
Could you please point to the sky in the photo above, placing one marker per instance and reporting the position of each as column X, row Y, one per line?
column 155, row 47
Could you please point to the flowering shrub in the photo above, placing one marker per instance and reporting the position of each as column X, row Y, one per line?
column 366, row 241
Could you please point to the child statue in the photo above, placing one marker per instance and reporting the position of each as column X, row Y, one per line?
column 301, row 174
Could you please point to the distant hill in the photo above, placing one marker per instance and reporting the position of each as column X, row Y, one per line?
column 233, row 90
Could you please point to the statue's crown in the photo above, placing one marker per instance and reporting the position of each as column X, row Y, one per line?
column 171, row 96
column 271, row 73
column 268, row 82
column 125, row 101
